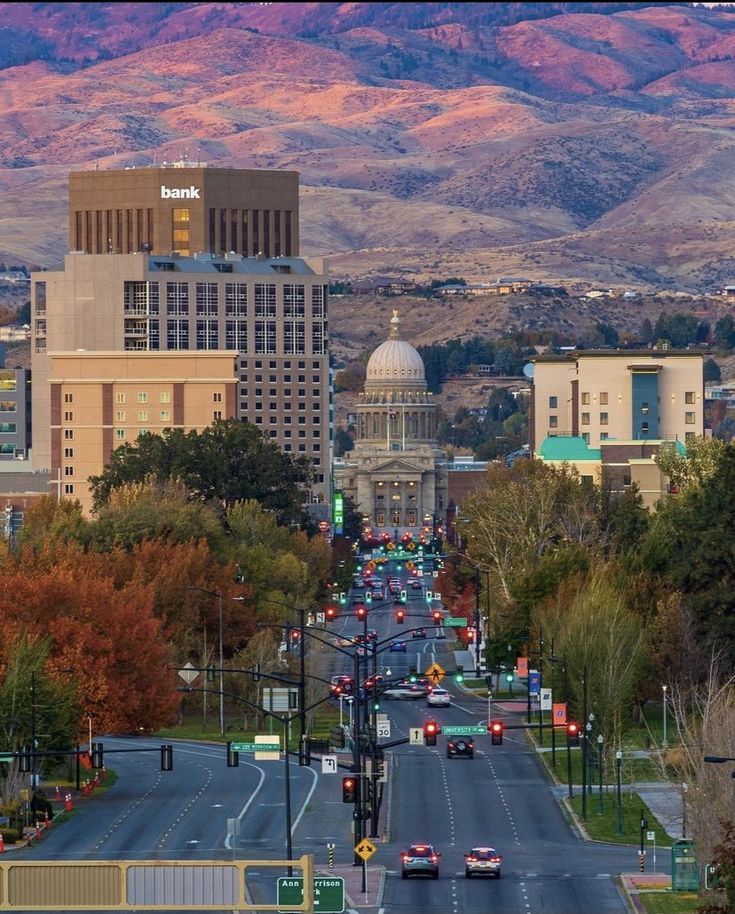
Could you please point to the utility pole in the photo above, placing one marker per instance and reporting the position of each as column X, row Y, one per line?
column 585, row 734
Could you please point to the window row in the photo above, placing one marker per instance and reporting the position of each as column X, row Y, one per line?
column 142, row 298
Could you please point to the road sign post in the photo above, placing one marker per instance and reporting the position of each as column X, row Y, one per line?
column 329, row 893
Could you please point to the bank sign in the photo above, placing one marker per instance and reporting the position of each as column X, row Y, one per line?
column 338, row 513
column 179, row 193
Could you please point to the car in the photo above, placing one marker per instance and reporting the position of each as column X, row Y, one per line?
column 397, row 646
column 420, row 860
column 394, row 589
column 378, row 593
column 358, row 584
column 358, row 598
column 438, row 698
column 482, row 861
column 372, row 681
column 416, row 584
column 460, row 745
column 372, row 635
column 404, row 691
column 418, row 633
column 341, row 685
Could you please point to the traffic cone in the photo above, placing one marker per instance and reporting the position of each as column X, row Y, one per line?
column 38, row 831
column 104, row 773
column 58, row 792
column 2, row 844
column 68, row 805
column 46, row 820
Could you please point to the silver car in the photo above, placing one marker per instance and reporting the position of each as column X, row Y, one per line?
column 482, row 861
column 420, row 860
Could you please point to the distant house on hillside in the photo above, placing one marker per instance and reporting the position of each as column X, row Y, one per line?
column 499, row 287
column 14, row 276
column 384, row 285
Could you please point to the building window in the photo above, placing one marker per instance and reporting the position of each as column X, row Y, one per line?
column 142, row 397
column 207, row 298
column 177, row 299
column 689, row 436
column 265, row 299
column 585, row 418
column 68, row 434
column 120, row 433
column 603, row 418
column 69, row 488
column 603, row 398
column 177, row 334
column 553, row 421
column 142, row 415
column 120, row 415
column 689, row 397
column 294, row 301
column 165, row 396
column 69, row 453
column 688, row 418
column 553, row 402
column 216, row 397
column 165, row 415
column 644, row 408
column 217, row 414
column 644, row 428
column 180, row 231
column 68, row 471
column 68, row 398
column 68, row 417
column 207, row 334
column 585, row 399
column 119, row 398
column 586, row 437
column 603, row 436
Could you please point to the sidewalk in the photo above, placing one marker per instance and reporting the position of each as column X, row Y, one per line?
column 634, row 883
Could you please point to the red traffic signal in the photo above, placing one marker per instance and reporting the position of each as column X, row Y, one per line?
column 572, row 733
column 362, row 613
column 496, row 728
column 431, row 728
column 349, row 790
column 330, row 613
column 400, row 616
column 436, row 616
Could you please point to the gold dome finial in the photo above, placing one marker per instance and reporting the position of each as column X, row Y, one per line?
column 395, row 326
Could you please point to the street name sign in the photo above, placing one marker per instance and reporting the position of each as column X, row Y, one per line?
column 455, row 622
column 329, row 893
column 416, row 736
column 461, row 731
column 365, row 849
column 255, row 747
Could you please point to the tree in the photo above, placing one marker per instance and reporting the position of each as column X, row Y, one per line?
column 343, row 443
column 712, row 371
column 725, row 333
column 645, row 334
column 227, row 462
column 701, row 460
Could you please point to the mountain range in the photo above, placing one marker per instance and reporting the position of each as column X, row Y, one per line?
column 579, row 142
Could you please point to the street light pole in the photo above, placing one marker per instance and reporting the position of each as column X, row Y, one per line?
column 600, row 809
column 221, row 674
column 619, row 804
column 664, row 688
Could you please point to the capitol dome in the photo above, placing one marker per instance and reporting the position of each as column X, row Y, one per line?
column 395, row 359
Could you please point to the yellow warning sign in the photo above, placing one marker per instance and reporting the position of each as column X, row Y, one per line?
column 435, row 673
column 365, row 849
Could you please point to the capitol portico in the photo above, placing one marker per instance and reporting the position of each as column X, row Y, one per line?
column 396, row 474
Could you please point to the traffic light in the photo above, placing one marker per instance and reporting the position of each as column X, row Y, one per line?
column 368, row 597
column 233, row 758
column 496, row 732
column 349, row 790
column 572, row 733
column 431, row 728
column 330, row 613
column 342, row 598
column 362, row 613
column 459, row 673
column 436, row 616
column 97, row 761
column 167, row 758
column 400, row 616
column 376, row 705
column 509, row 678
column 412, row 676
column 404, row 596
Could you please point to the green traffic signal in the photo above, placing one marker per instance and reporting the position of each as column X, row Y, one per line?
column 412, row 676
column 459, row 674
column 509, row 677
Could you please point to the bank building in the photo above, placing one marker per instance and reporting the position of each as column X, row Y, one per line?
column 396, row 475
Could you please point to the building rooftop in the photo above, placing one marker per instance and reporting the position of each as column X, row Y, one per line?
column 567, row 447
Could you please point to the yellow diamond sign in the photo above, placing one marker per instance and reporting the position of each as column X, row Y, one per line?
column 365, row 849
column 435, row 673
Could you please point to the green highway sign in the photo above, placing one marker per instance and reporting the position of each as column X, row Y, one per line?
column 329, row 893
column 255, row 747
column 462, row 731
column 453, row 622
column 6, row 758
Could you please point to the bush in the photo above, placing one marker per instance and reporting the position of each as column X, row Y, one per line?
column 10, row 835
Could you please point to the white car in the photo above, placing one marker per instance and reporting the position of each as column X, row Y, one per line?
column 438, row 698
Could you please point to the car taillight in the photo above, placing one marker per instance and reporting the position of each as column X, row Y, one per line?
column 404, row 856
column 495, row 860
column 433, row 858
column 472, row 859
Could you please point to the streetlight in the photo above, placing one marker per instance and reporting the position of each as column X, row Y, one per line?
column 684, row 788
column 218, row 594
column 619, row 810
column 664, row 688
column 600, row 809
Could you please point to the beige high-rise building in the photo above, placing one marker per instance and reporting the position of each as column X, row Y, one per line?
column 272, row 311
column 184, row 207
column 101, row 400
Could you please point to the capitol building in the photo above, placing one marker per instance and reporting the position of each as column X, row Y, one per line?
column 396, row 475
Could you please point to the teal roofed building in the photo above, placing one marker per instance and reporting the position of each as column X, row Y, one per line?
column 569, row 449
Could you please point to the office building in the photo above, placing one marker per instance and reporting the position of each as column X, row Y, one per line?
column 15, row 413
column 183, row 208
column 101, row 400
column 608, row 413
column 273, row 311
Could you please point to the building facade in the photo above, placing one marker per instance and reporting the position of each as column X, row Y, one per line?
column 15, row 413
column 628, row 395
column 101, row 400
column 183, row 208
column 396, row 474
